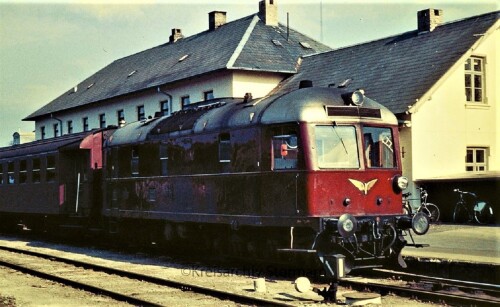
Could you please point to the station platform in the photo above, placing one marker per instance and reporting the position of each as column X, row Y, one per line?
column 470, row 249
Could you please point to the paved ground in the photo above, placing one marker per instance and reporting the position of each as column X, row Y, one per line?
column 464, row 243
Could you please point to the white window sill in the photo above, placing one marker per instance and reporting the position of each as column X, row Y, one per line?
column 477, row 105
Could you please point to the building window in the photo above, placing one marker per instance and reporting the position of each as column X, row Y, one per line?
column 85, row 122
column 185, row 101
column 102, row 120
column 70, row 126
column 208, row 95
column 56, row 130
column 120, row 116
column 141, row 115
column 42, row 132
column 164, row 107
column 474, row 80
column 476, row 159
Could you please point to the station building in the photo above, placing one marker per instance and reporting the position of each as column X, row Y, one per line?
column 439, row 79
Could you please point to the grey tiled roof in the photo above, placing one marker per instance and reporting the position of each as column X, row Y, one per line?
column 397, row 70
column 245, row 44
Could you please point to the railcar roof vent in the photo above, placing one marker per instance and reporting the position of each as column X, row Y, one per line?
column 305, row 83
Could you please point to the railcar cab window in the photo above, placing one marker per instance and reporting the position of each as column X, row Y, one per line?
column 379, row 147
column 336, row 147
column 225, row 148
column 134, row 164
column 285, row 150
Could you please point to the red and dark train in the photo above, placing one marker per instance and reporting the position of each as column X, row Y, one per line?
column 315, row 169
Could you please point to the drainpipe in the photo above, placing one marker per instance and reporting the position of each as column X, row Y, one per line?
column 169, row 99
column 60, row 124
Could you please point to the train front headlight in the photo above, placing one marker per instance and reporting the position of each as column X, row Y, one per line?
column 400, row 183
column 347, row 225
column 420, row 223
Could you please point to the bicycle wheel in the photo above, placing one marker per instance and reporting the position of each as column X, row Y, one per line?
column 460, row 214
column 483, row 212
column 432, row 211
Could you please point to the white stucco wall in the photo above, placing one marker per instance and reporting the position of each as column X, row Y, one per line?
column 444, row 125
column 223, row 84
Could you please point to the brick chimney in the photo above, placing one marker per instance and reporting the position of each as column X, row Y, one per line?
column 216, row 19
column 268, row 12
column 176, row 35
column 429, row 19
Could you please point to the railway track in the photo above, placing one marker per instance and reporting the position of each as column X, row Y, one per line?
column 134, row 288
column 411, row 286
column 428, row 288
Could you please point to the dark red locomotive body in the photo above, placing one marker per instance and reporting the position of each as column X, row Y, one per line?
column 314, row 169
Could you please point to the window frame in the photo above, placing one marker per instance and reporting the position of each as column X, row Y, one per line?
column 474, row 164
column 470, row 81
column 102, row 120
column 85, row 123
column 69, row 126
column 141, row 112
column 185, row 101
column 208, row 95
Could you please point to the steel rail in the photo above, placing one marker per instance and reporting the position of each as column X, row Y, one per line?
column 422, row 294
column 237, row 298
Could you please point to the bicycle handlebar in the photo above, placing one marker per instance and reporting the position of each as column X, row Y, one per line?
column 465, row 193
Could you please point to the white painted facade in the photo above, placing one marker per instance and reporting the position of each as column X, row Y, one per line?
column 231, row 83
column 444, row 124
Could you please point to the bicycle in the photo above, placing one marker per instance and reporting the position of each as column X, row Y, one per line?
column 430, row 209
column 480, row 211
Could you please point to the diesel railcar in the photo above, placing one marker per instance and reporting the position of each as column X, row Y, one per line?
column 315, row 169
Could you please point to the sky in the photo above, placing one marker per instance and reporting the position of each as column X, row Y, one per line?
column 47, row 47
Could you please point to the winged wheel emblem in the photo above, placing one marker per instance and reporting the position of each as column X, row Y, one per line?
column 362, row 186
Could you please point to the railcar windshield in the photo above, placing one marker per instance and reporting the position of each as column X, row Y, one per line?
column 336, row 147
column 379, row 147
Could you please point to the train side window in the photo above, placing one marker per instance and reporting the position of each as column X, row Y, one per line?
column 11, row 178
column 35, row 172
column 23, row 172
column 163, row 160
column 51, row 168
column 285, row 151
column 225, row 147
column 134, row 164
column 1, row 173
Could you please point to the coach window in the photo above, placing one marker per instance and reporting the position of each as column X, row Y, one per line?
column 51, row 168
column 23, row 172
column 35, row 172
column 11, row 179
column 379, row 147
column 225, row 148
column 285, row 151
column 163, row 160
column 134, row 165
